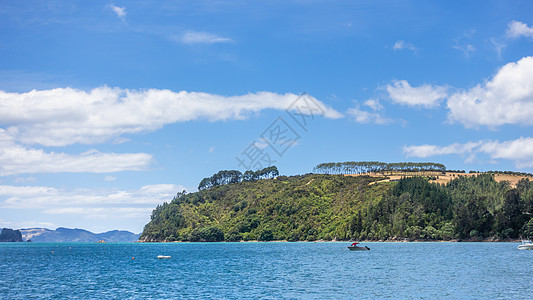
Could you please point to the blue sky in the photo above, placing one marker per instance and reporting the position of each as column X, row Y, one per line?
column 110, row 108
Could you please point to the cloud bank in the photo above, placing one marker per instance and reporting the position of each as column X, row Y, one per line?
column 45, row 197
column 66, row 116
column 18, row 159
column 520, row 151
column 89, row 204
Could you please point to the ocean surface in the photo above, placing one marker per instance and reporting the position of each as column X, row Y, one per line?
column 265, row 270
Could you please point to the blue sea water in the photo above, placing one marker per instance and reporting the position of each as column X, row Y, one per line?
column 265, row 270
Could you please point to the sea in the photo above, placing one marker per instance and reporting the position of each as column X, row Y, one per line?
column 265, row 270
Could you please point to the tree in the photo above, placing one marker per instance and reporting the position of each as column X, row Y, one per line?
column 511, row 212
column 248, row 175
column 527, row 229
column 266, row 235
column 361, row 167
column 220, row 178
column 205, row 184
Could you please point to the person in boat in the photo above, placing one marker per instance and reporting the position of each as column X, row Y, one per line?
column 355, row 245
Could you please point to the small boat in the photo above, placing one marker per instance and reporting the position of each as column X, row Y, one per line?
column 164, row 257
column 526, row 245
column 354, row 247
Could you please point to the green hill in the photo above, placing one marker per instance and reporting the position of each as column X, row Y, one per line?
column 337, row 207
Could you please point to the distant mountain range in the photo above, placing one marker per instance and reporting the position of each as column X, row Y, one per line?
column 62, row 234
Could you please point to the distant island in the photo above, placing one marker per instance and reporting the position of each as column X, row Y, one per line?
column 76, row 235
column 372, row 201
column 10, row 235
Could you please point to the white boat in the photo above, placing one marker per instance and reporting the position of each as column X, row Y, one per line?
column 354, row 247
column 164, row 257
column 526, row 245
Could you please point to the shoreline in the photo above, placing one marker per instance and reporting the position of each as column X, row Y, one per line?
column 471, row 240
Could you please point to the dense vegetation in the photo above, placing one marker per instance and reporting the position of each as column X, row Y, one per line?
column 336, row 207
column 362, row 167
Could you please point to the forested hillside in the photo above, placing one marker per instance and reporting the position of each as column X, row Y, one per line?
column 336, row 207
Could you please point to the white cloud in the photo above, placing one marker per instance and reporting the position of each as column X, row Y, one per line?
column 498, row 46
column 517, row 29
column 374, row 116
column 520, row 151
column 34, row 224
column 505, row 99
column 160, row 190
column 25, row 191
column 202, row 37
column 261, row 143
column 102, row 212
column 465, row 48
column 463, row 44
column 4, row 224
column 119, row 11
column 104, row 205
column 432, row 150
column 401, row 45
column 16, row 159
column 361, row 116
column 110, row 178
column 426, row 95
column 373, row 104
column 64, row 116
column 25, row 179
column 42, row 197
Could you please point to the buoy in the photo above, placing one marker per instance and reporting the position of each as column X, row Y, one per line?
column 133, row 258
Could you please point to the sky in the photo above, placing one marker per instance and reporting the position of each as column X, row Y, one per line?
column 108, row 109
